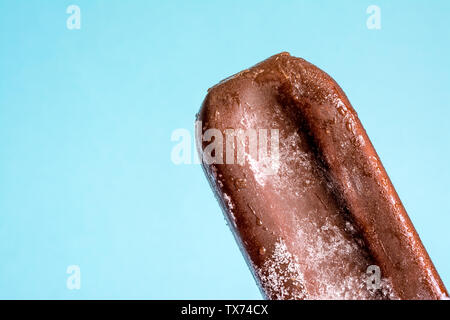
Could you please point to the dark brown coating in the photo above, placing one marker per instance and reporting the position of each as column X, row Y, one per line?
column 311, row 230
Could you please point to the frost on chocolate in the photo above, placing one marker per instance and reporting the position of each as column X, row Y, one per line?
column 282, row 278
column 279, row 272
column 332, row 260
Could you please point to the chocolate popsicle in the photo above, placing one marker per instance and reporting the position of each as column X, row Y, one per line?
column 315, row 214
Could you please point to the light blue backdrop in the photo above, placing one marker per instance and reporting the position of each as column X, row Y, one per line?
column 86, row 118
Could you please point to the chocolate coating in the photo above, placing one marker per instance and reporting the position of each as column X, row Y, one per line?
column 311, row 230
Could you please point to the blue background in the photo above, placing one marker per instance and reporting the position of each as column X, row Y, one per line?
column 86, row 117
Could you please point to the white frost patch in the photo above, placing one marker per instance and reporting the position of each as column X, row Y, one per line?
column 279, row 270
column 230, row 206
column 325, row 259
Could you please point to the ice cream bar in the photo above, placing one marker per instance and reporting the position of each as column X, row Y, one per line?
column 303, row 189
